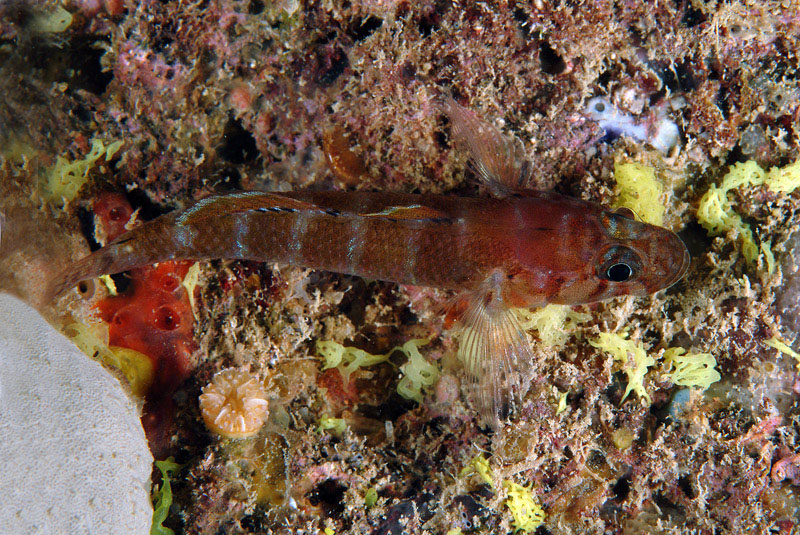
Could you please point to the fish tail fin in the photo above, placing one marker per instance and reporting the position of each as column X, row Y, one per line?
column 101, row 262
column 148, row 244
column 496, row 355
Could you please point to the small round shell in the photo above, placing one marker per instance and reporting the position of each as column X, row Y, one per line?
column 234, row 404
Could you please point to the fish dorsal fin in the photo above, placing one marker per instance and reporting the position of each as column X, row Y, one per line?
column 495, row 352
column 247, row 201
column 499, row 160
column 410, row 212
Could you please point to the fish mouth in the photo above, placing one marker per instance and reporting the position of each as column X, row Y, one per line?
column 667, row 259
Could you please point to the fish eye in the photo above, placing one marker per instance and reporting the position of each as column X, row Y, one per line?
column 619, row 272
column 620, row 264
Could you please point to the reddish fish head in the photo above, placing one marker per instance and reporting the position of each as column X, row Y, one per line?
column 633, row 258
column 639, row 259
column 603, row 255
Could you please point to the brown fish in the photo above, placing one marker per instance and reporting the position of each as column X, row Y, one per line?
column 521, row 248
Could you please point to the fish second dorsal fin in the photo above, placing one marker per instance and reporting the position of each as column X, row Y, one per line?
column 410, row 212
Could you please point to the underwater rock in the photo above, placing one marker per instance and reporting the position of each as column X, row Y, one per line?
column 75, row 453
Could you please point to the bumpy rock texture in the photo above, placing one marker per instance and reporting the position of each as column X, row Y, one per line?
column 74, row 453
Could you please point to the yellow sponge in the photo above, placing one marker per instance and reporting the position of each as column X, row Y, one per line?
column 528, row 515
column 66, row 178
column 692, row 369
column 554, row 323
column 640, row 190
column 136, row 367
column 716, row 213
column 417, row 372
column 635, row 360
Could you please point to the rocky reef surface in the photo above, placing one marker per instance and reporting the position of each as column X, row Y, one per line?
column 114, row 112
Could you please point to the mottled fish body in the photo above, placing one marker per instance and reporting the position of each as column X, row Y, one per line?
column 517, row 249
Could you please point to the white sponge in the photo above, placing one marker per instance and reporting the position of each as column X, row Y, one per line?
column 74, row 456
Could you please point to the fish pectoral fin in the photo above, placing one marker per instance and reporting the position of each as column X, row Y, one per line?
column 496, row 355
column 414, row 211
column 498, row 160
column 246, row 201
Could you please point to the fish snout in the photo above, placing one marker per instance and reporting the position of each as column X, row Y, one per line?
column 669, row 259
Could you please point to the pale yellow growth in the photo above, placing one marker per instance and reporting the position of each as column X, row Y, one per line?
column 109, row 283
column 479, row 465
column 691, row 369
column 769, row 258
column 623, row 438
column 136, row 367
column 66, row 178
column 716, row 213
column 528, row 514
column 635, row 361
column 784, row 179
column 784, row 348
column 554, row 323
column 17, row 151
column 417, row 372
column 189, row 283
column 640, row 190
column 336, row 425
column 346, row 359
column 562, row 403
column 55, row 21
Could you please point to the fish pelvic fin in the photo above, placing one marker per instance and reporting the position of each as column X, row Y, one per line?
column 496, row 354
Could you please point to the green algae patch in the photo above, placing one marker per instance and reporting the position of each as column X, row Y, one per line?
column 162, row 497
